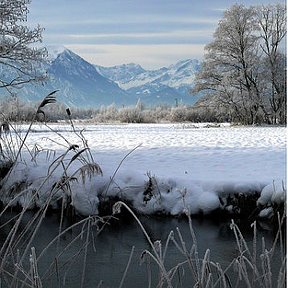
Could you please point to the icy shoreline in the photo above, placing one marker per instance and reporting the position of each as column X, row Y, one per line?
column 173, row 171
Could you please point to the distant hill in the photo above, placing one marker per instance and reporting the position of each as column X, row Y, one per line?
column 82, row 84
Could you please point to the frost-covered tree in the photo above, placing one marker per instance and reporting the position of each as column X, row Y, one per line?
column 231, row 62
column 234, row 69
column 272, row 21
column 18, row 45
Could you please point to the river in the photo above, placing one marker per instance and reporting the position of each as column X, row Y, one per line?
column 108, row 252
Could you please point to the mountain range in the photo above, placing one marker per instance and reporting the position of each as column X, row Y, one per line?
column 82, row 84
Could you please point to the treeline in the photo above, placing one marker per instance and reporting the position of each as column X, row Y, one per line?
column 244, row 69
column 157, row 114
column 14, row 110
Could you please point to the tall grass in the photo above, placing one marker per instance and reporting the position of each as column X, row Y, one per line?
column 13, row 271
column 20, row 264
column 250, row 268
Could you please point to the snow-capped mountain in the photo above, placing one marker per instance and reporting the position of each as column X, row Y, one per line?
column 165, row 85
column 181, row 74
column 82, row 84
column 121, row 73
column 78, row 82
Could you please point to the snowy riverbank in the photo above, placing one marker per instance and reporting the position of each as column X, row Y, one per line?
column 175, row 169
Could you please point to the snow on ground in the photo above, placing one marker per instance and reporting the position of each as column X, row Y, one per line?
column 189, row 165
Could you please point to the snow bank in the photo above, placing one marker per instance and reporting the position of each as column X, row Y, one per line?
column 174, row 171
column 147, row 194
column 274, row 193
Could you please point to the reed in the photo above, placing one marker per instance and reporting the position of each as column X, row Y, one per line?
column 19, row 263
column 16, row 275
column 250, row 268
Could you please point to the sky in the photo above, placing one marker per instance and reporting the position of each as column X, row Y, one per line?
column 152, row 33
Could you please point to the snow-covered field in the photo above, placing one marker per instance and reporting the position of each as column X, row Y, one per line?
column 189, row 165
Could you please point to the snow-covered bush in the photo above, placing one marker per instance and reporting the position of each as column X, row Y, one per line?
column 179, row 114
column 130, row 115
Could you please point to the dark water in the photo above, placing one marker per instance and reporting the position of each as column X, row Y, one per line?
column 108, row 252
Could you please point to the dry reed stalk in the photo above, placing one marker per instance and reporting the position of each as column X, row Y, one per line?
column 118, row 167
column 127, row 267
column 85, row 253
column 34, row 270
column 116, row 209
column 47, row 100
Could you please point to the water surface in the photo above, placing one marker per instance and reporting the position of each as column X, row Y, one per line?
column 108, row 252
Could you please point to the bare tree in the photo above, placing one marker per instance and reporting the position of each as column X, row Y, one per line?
column 19, row 54
column 234, row 66
column 231, row 62
column 272, row 22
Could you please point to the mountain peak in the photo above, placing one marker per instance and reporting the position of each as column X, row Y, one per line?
column 123, row 72
column 192, row 63
column 54, row 51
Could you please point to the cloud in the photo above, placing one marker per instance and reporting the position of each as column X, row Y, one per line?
column 169, row 37
column 149, row 32
column 149, row 56
column 131, row 19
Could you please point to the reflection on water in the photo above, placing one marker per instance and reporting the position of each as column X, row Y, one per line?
column 108, row 252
